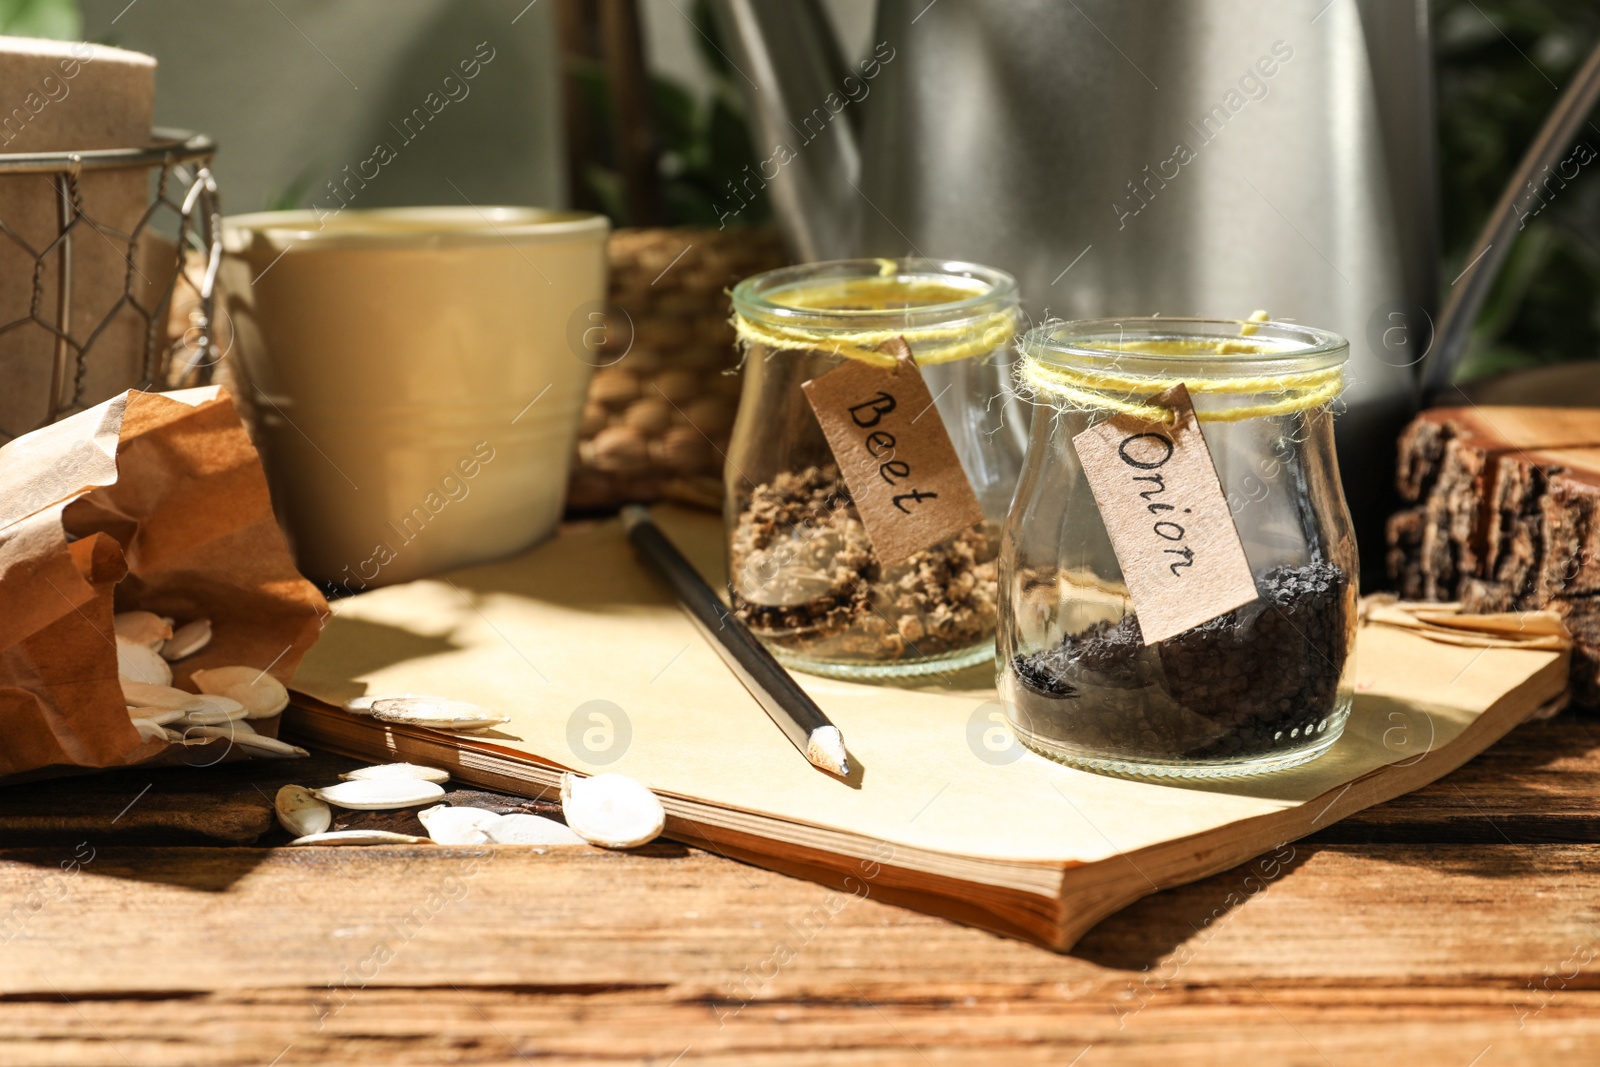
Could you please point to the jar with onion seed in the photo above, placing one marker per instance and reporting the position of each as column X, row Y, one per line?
column 803, row 574
column 1262, row 686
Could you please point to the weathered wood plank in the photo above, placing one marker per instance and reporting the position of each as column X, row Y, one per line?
column 1538, row 783
column 186, row 920
column 223, row 956
column 1263, row 1023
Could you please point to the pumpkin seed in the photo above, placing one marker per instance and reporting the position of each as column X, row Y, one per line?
column 212, row 716
column 398, row 770
column 458, row 826
column 521, row 828
column 247, row 738
column 263, row 746
column 141, row 663
column 187, row 639
column 142, row 628
column 359, row 837
column 159, row 716
column 436, row 712
column 146, row 695
column 150, row 730
column 262, row 695
column 213, row 702
column 363, row 705
column 611, row 810
column 380, row 794
column 300, row 812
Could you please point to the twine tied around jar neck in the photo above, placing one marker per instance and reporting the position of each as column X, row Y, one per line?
column 1106, row 389
column 932, row 344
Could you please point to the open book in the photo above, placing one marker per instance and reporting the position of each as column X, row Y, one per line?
column 581, row 644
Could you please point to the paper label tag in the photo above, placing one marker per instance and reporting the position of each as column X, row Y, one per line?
column 895, row 455
column 1168, row 518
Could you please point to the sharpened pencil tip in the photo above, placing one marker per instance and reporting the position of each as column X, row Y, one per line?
column 825, row 748
column 632, row 515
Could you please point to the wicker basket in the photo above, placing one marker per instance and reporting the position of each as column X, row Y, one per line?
column 662, row 403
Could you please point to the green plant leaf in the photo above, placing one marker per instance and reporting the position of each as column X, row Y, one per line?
column 1499, row 65
column 595, row 88
column 676, row 115
column 733, row 175
column 704, row 145
column 606, row 185
column 59, row 19
column 687, row 205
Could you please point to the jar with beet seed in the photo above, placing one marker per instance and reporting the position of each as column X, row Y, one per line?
column 803, row 572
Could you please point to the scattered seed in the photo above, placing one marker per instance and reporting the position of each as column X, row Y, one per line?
column 363, row 705
column 213, row 702
column 187, row 639
column 263, row 746
column 300, row 812
column 146, row 695
column 359, row 837
column 380, row 794
column 458, row 826
column 142, row 628
column 245, row 737
column 262, row 700
column 436, row 712
column 214, row 716
column 262, row 695
column 398, row 770
column 611, row 810
column 150, row 730
column 520, row 828
column 159, row 716
column 141, row 663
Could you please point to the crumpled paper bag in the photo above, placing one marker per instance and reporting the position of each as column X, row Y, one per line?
column 147, row 501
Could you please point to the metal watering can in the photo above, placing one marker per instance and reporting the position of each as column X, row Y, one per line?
column 1181, row 157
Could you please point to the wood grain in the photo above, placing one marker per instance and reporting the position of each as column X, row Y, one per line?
column 1504, row 515
column 1479, row 943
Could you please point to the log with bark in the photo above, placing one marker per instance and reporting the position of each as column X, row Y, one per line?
column 1504, row 514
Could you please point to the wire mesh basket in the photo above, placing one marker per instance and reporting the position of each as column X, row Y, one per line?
column 73, row 333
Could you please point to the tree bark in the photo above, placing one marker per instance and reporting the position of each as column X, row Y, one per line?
column 1504, row 514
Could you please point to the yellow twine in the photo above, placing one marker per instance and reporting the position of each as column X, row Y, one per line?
column 941, row 343
column 1089, row 389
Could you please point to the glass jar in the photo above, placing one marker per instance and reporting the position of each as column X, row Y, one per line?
column 802, row 573
column 1262, row 687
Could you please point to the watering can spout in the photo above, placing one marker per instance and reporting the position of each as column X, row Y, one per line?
column 788, row 65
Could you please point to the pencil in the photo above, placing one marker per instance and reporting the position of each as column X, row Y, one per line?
column 795, row 713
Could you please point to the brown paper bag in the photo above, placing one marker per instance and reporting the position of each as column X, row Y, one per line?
column 147, row 501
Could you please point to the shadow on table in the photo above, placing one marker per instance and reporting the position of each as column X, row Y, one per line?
column 350, row 648
column 48, row 823
column 1505, row 797
column 1149, row 930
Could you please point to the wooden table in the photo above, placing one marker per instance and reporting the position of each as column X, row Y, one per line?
column 1456, row 926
